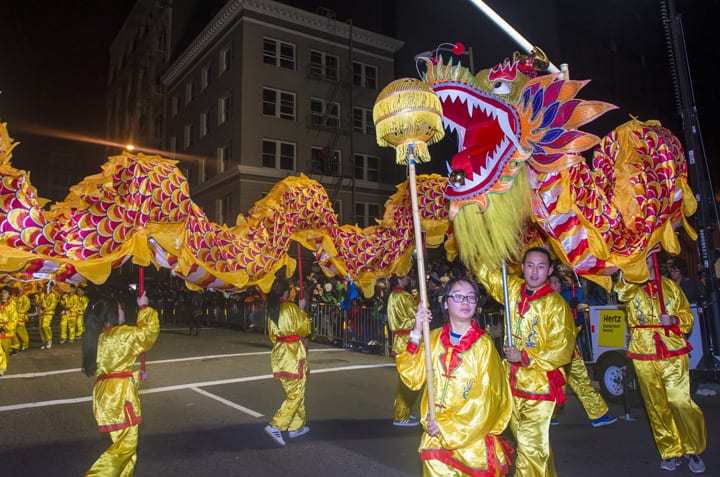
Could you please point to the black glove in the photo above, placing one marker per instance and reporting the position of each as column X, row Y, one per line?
column 2, row 330
column 574, row 303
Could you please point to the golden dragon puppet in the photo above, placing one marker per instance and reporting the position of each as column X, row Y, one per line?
column 519, row 177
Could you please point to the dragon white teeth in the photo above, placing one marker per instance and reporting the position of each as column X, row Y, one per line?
column 470, row 107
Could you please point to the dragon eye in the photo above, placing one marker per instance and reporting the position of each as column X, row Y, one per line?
column 501, row 87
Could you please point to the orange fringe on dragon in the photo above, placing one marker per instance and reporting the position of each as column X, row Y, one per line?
column 518, row 179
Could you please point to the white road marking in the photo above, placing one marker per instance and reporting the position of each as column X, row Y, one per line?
column 179, row 387
column 228, row 403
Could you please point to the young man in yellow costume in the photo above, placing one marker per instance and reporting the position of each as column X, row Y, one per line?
column 543, row 339
column 21, row 341
column 401, row 309
column 8, row 321
column 473, row 401
column 288, row 325
column 110, row 350
column 68, row 316
column 83, row 302
column 47, row 300
column 660, row 354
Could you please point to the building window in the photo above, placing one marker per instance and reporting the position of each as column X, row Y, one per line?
column 188, row 136
column 222, row 209
column 324, row 113
column 203, row 126
column 366, row 168
column 278, row 154
column 278, row 104
column 363, row 121
column 325, row 161
column 364, row 75
column 278, row 53
column 323, row 65
column 189, row 92
column 224, row 108
column 226, row 59
column 202, row 172
column 173, row 106
column 366, row 214
column 205, row 77
column 224, row 156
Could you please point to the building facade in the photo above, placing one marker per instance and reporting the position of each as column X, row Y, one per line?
column 264, row 91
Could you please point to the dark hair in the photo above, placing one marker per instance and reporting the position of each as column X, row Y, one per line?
column 395, row 281
column 103, row 312
column 542, row 250
column 7, row 288
column 278, row 289
column 448, row 287
column 681, row 265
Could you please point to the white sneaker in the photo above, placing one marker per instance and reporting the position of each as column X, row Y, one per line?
column 695, row 463
column 412, row 421
column 275, row 434
column 44, row 346
column 671, row 463
column 48, row 345
column 298, row 432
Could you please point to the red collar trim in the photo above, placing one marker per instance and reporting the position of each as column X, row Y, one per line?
column 398, row 289
column 525, row 299
column 468, row 339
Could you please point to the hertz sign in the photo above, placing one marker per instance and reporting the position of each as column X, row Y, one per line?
column 612, row 326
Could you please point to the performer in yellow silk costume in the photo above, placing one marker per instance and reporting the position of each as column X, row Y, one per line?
column 288, row 324
column 21, row 341
column 659, row 351
column 8, row 321
column 543, row 340
column 109, row 353
column 473, row 401
column 82, row 304
column 401, row 309
column 47, row 301
column 68, row 317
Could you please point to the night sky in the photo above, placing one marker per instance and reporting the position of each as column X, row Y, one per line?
column 53, row 67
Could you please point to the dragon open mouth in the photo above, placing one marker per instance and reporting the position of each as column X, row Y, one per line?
column 487, row 133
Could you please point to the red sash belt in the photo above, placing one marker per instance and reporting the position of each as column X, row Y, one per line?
column 122, row 374
column 401, row 332
column 288, row 339
column 674, row 328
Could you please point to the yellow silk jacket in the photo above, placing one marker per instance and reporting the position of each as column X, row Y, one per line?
column 83, row 302
column 47, row 302
column 116, row 403
column 8, row 319
column 22, row 306
column 543, row 330
column 649, row 340
column 289, row 355
column 401, row 309
column 473, row 404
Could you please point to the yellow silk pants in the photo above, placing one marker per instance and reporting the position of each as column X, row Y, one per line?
column 79, row 326
column 21, row 341
column 678, row 424
column 4, row 353
column 46, row 327
column 67, row 327
column 291, row 415
column 404, row 401
column 579, row 381
column 119, row 459
column 530, row 424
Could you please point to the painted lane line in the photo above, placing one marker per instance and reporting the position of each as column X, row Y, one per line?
column 228, row 403
column 180, row 387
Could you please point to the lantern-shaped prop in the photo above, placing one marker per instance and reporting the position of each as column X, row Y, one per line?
column 408, row 117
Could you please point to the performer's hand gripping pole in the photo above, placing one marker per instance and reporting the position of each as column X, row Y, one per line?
column 422, row 285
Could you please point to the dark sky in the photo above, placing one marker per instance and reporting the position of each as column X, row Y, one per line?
column 53, row 67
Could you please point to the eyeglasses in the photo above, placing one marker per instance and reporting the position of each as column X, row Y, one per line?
column 458, row 298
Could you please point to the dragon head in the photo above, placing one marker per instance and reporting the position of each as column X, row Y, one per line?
column 504, row 117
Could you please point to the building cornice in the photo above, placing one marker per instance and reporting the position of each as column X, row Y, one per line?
column 233, row 10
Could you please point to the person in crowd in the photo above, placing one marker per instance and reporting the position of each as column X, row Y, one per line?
column 435, row 291
column 473, row 399
column 401, row 310
column 8, row 322
column 693, row 289
column 110, row 349
column 577, row 378
column 68, row 316
column 660, row 354
column 82, row 304
column 47, row 301
column 288, row 326
column 21, row 341
column 543, row 341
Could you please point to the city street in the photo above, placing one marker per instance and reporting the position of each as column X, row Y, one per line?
column 208, row 397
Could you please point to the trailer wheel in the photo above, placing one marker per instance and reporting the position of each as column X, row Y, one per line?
column 609, row 372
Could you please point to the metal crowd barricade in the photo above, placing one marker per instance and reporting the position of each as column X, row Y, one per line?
column 327, row 322
column 354, row 328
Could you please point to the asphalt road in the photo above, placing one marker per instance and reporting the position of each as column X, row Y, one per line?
column 208, row 398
